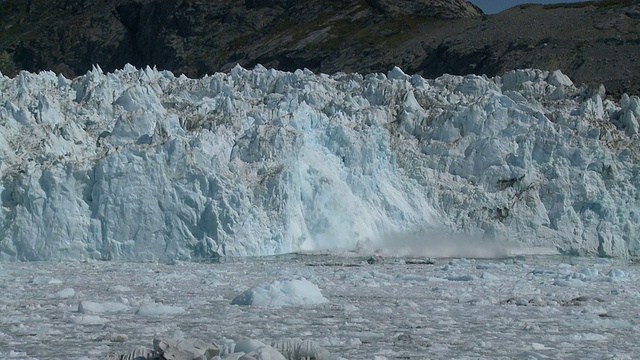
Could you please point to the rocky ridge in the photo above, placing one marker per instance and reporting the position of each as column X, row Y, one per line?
column 593, row 42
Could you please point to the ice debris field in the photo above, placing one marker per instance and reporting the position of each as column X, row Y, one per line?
column 322, row 307
column 142, row 165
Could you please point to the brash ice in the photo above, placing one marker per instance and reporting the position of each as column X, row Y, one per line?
column 140, row 164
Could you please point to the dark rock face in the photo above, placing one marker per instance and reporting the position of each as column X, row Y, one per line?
column 443, row 9
column 595, row 42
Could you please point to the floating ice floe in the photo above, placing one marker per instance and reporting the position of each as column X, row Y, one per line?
column 159, row 310
column 248, row 349
column 90, row 307
column 64, row 294
column 282, row 293
column 89, row 320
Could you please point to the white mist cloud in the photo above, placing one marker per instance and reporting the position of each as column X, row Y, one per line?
column 440, row 243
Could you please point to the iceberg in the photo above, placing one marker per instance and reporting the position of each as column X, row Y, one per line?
column 141, row 164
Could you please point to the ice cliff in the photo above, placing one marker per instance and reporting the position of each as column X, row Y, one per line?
column 140, row 164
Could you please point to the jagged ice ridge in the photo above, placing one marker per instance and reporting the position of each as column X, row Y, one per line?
column 140, row 164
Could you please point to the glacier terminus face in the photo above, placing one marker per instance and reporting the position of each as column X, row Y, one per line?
column 142, row 165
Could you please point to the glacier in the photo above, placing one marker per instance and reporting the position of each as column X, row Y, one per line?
column 140, row 164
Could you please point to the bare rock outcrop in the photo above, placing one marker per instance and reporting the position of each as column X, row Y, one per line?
column 592, row 42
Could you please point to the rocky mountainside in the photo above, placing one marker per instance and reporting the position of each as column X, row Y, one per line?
column 594, row 42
